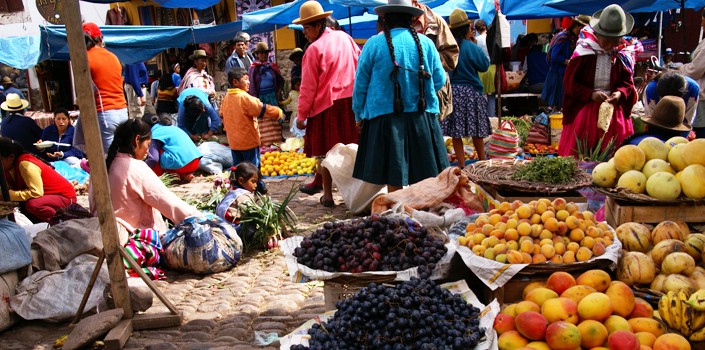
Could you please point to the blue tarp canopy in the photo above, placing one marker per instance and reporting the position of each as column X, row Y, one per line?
column 591, row 6
column 196, row 4
column 282, row 15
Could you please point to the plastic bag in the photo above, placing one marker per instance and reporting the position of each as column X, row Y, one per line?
column 357, row 194
column 216, row 157
column 202, row 245
column 504, row 143
column 8, row 282
column 14, row 244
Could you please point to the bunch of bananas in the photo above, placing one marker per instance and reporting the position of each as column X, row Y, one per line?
column 684, row 313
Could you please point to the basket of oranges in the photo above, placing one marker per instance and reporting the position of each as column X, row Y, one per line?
column 285, row 164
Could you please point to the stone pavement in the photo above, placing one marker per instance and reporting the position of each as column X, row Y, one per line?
column 224, row 310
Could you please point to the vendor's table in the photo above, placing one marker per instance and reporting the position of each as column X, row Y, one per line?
column 618, row 212
column 43, row 119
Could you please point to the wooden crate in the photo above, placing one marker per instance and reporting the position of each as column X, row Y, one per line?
column 618, row 212
column 503, row 196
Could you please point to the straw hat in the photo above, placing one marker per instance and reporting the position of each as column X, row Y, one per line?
column 261, row 47
column 668, row 114
column 612, row 21
column 458, row 18
column 582, row 19
column 296, row 53
column 398, row 6
column 14, row 103
column 311, row 11
column 198, row 54
column 6, row 81
column 7, row 208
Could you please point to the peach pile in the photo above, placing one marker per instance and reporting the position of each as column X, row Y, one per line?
column 536, row 232
column 590, row 312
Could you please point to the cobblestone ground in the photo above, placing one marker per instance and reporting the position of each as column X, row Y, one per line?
column 224, row 310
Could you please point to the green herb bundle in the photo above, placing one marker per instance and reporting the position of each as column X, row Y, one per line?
column 557, row 170
column 266, row 219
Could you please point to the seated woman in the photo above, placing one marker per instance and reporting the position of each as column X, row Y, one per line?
column 139, row 198
column 34, row 183
column 171, row 150
column 666, row 121
column 62, row 132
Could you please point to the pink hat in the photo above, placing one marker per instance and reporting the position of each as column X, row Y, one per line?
column 92, row 30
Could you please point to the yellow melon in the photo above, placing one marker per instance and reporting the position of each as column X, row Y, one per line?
column 629, row 157
column 653, row 166
column 694, row 152
column 663, row 185
column 633, row 180
column 654, row 148
column 692, row 180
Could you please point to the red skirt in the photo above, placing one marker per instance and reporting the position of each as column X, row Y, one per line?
column 332, row 126
column 585, row 128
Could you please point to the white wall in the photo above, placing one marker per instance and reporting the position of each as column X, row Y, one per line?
column 27, row 22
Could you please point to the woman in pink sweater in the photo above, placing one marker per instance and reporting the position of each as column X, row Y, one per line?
column 139, row 197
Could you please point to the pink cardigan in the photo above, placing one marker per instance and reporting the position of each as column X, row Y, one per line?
column 327, row 73
column 139, row 197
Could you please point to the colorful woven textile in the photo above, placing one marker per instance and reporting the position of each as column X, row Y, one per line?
column 144, row 247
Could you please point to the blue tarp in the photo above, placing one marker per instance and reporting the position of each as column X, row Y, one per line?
column 284, row 14
column 199, row 4
column 591, row 6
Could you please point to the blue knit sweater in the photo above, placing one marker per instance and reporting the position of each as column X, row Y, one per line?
column 471, row 60
column 374, row 90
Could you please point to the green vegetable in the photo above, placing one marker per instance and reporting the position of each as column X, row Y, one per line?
column 267, row 219
column 597, row 153
column 557, row 170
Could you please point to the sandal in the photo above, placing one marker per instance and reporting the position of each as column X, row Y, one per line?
column 327, row 203
column 310, row 189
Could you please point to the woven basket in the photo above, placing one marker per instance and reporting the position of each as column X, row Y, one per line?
column 625, row 195
column 498, row 174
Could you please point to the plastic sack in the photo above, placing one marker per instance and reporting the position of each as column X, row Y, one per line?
column 55, row 295
column 357, row 194
column 14, row 244
column 538, row 134
column 504, row 143
column 202, row 245
column 216, row 157
column 8, row 282
column 70, row 173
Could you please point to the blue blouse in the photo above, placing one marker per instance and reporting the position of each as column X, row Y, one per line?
column 51, row 133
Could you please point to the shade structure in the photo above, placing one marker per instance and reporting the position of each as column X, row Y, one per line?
column 196, row 4
column 285, row 14
column 591, row 6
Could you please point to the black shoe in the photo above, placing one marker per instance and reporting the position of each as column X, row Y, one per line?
column 310, row 190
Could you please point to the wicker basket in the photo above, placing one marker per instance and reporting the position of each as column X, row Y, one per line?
column 498, row 174
column 627, row 196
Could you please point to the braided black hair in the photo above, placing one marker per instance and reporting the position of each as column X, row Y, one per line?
column 124, row 139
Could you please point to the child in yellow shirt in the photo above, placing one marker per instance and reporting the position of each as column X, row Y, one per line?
column 240, row 113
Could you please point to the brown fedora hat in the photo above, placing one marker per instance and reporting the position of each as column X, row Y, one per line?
column 311, row 11
column 668, row 114
column 261, row 47
column 458, row 18
column 582, row 19
column 198, row 54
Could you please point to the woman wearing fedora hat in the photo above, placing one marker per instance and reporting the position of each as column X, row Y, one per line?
column 267, row 85
column 600, row 70
column 469, row 117
column 325, row 98
column 666, row 121
column 24, row 130
column 196, row 76
column 559, row 51
column 395, row 101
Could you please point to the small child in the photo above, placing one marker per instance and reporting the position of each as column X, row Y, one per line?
column 292, row 104
column 243, row 182
column 240, row 113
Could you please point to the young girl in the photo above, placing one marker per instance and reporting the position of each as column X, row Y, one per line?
column 241, row 114
column 292, row 104
column 243, row 182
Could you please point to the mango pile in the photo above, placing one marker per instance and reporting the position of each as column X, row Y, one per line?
column 286, row 163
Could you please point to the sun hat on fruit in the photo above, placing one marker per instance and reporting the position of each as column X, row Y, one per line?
column 668, row 114
column 612, row 22
column 398, row 6
column 458, row 18
column 261, row 47
column 198, row 54
column 14, row 103
column 311, row 11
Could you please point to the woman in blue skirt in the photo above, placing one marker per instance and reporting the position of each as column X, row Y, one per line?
column 395, row 103
column 469, row 117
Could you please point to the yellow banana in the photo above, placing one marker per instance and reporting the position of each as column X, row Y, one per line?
column 664, row 310
column 698, row 320
column 675, row 309
column 699, row 335
column 686, row 313
column 697, row 300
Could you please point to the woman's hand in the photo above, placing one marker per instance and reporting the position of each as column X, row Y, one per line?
column 300, row 124
column 599, row 96
column 614, row 97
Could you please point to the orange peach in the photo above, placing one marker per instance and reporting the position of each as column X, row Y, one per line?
column 622, row 298
column 530, row 287
column 647, row 324
column 645, row 338
column 524, row 306
column 598, row 279
column 563, row 336
column 557, row 259
column 538, row 259
column 598, row 249
column 511, row 340
column 508, row 310
column 623, row 340
column 560, row 309
column 583, row 254
column 560, row 281
column 671, row 341
column 577, row 293
column 595, row 306
column 514, row 257
column 592, row 334
column 642, row 308
column 568, row 257
column 617, row 323
column 538, row 345
column 504, row 323
column 532, row 325
column 540, row 295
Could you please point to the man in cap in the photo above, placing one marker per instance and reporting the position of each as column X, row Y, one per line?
column 240, row 56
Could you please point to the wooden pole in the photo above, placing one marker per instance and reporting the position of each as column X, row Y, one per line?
column 71, row 14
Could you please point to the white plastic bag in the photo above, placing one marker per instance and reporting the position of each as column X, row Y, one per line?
column 216, row 157
column 8, row 282
column 357, row 194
